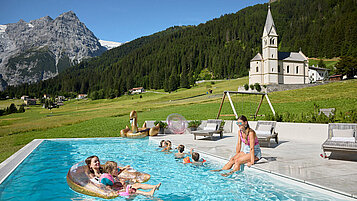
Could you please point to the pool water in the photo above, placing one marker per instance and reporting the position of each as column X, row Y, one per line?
column 42, row 175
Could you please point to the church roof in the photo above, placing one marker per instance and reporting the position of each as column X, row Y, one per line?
column 291, row 56
column 257, row 57
column 269, row 22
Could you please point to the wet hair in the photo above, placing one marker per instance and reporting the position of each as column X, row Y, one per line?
column 110, row 166
column 161, row 143
column 167, row 142
column 195, row 156
column 247, row 127
column 181, row 148
column 89, row 161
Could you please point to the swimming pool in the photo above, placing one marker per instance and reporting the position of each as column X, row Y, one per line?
column 42, row 175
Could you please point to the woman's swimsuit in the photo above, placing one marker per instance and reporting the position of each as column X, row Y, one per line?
column 246, row 148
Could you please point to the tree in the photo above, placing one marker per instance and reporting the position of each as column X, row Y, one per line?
column 12, row 108
column 21, row 109
column 347, row 66
column 321, row 64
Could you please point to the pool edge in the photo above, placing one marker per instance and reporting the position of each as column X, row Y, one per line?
column 11, row 163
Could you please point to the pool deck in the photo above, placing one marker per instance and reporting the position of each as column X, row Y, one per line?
column 297, row 156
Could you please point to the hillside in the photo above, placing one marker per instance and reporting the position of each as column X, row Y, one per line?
column 222, row 47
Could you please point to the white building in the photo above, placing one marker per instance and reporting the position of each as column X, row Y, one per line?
column 317, row 74
column 137, row 90
column 273, row 67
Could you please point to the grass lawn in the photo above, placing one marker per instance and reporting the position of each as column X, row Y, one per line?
column 106, row 117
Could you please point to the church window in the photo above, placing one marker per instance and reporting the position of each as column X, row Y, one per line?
column 272, row 41
column 257, row 69
column 272, row 69
column 272, row 56
column 278, row 69
column 297, row 69
column 265, row 42
column 287, row 69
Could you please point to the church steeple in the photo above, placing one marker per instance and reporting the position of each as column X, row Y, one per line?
column 269, row 28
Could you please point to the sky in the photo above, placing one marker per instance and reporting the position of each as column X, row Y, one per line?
column 123, row 21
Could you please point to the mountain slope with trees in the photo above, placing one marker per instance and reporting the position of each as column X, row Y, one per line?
column 221, row 47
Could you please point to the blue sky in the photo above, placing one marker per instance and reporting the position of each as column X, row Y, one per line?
column 121, row 21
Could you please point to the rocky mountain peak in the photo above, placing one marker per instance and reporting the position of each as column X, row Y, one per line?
column 42, row 48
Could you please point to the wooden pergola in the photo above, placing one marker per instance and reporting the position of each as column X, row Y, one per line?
column 227, row 93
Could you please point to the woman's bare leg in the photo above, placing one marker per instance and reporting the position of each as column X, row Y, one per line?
column 230, row 163
column 241, row 160
column 145, row 186
column 150, row 193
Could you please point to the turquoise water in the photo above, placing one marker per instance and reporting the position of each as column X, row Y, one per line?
column 42, row 175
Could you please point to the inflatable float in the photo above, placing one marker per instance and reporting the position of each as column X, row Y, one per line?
column 78, row 180
column 136, row 132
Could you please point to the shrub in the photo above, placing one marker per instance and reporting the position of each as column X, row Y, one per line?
column 162, row 124
column 12, row 108
column 194, row 123
column 257, row 87
column 265, row 86
column 21, row 109
column 251, row 87
column 213, row 83
column 246, row 87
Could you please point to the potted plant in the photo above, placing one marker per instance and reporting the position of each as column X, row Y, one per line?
column 163, row 125
column 194, row 124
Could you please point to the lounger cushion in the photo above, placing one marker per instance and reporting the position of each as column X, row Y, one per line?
column 343, row 139
column 265, row 128
column 342, row 133
column 262, row 133
column 210, row 126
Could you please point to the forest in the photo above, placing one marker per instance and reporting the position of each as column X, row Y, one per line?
column 217, row 49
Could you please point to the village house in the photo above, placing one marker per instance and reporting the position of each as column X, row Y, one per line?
column 273, row 67
column 317, row 74
column 81, row 96
column 137, row 90
column 29, row 101
column 24, row 97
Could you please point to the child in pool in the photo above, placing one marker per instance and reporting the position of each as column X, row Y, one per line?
column 110, row 178
column 167, row 146
column 195, row 158
column 162, row 143
column 180, row 150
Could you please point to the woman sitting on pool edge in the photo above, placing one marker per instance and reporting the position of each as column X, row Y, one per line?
column 251, row 151
column 110, row 178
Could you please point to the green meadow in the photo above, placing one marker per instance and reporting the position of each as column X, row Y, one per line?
column 106, row 117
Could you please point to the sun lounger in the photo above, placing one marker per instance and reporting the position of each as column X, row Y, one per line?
column 265, row 131
column 341, row 137
column 212, row 127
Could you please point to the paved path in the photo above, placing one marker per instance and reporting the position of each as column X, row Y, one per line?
column 293, row 157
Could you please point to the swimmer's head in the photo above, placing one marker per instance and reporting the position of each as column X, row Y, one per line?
column 181, row 148
column 162, row 143
column 168, row 143
column 111, row 167
column 195, row 156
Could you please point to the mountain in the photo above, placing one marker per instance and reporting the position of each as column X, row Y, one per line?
column 219, row 48
column 109, row 44
column 42, row 48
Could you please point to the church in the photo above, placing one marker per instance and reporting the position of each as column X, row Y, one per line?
column 273, row 67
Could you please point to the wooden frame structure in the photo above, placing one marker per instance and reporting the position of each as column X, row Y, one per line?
column 227, row 93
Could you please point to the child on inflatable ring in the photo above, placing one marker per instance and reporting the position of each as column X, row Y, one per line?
column 108, row 179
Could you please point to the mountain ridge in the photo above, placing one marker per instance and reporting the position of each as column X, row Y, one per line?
column 65, row 39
